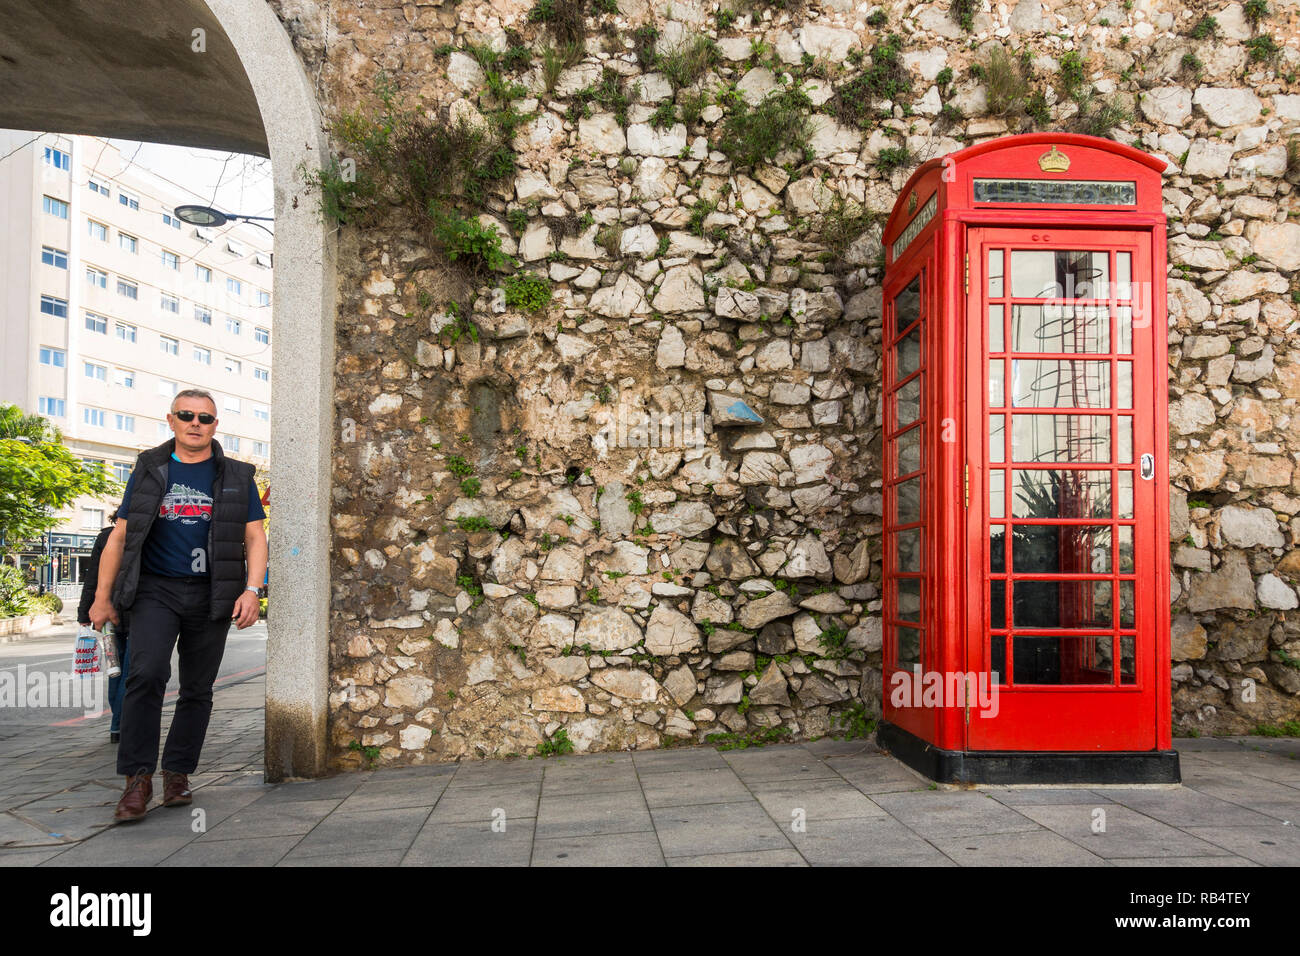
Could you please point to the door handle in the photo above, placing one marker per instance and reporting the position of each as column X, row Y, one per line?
column 1147, row 466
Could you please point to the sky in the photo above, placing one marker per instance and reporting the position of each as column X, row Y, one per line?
column 232, row 182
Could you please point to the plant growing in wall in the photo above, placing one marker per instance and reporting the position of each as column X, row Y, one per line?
column 752, row 135
column 434, row 170
column 527, row 291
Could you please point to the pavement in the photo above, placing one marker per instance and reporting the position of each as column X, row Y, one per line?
column 826, row 802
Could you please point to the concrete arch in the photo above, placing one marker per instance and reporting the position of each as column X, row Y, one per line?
column 302, row 394
column 127, row 68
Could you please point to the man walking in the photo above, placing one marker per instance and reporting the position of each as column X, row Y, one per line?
column 186, row 557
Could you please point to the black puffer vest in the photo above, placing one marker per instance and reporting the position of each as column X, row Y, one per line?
column 226, row 568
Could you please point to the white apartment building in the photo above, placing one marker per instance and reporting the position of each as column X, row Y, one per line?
column 109, row 305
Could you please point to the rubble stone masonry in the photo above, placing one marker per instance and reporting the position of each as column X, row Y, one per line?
column 650, row 511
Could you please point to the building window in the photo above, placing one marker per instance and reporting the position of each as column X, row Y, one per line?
column 96, row 323
column 53, row 305
column 57, row 158
column 92, row 517
column 234, row 366
column 261, row 449
column 203, row 356
column 230, row 442
column 261, row 413
column 170, row 346
column 233, row 325
column 98, row 188
column 202, row 273
column 54, row 257
column 170, row 220
column 125, row 332
column 261, row 374
column 203, row 315
column 129, row 201
column 129, row 243
column 93, row 416
column 98, row 372
column 128, row 288
column 166, row 388
column 234, row 286
column 262, row 335
column 92, row 464
column 55, row 207
column 122, row 470
column 55, row 358
column 170, row 303
column 163, row 429
column 97, row 230
column 52, row 407
column 230, row 403
column 124, row 423
column 170, row 260
column 124, row 377
column 203, row 233
column 97, row 277
column 263, row 297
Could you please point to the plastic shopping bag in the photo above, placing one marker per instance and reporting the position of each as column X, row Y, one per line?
column 85, row 654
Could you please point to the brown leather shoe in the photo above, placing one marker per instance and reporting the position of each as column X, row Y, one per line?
column 176, row 790
column 135, row 798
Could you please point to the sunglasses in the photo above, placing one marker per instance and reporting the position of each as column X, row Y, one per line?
column 205, row 418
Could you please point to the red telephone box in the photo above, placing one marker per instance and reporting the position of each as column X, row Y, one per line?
column 1026, row 560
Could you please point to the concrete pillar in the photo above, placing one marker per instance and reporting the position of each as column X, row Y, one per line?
column 302, row 395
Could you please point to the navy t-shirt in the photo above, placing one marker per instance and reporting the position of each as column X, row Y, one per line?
column 178, row 541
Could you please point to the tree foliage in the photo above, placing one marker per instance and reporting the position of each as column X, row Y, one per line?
column 38, row 476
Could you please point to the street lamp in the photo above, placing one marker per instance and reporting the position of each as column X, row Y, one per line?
column 207, row 216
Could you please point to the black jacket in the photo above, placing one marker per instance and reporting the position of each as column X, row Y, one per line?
column 226, row 566
column 90, row 582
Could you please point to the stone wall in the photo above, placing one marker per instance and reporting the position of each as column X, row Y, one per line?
column 635, row 596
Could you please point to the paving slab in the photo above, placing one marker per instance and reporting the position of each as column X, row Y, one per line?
column 619, row 849
column 1184, row 808
column 866, row 842
column 258, row 851
column 576, row 777
column 593, row 814
column 1032, row 848
column 1127, row 833
column 422, row 791
column 686, row 787
column 1270, row 845
column 678, row 759
column 814, row 800
column 262, row 818
column 494, row 773
column 825, row 802
column 779, row 762
column 1041, row 796
column 716, row 827
column 372, row 858
column 485, row 804
column 877, row 773
column 472, row 844
column 359, row 833
column 939, row 814
column 742, row 858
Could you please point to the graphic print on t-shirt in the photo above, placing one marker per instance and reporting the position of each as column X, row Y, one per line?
column 185, row 504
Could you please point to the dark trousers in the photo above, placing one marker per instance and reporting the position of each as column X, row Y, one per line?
column 165, row 608
column 117, row 685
